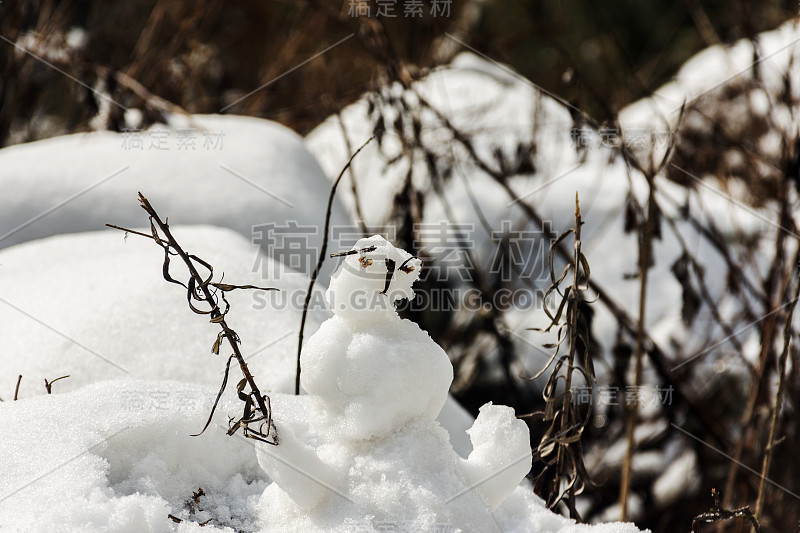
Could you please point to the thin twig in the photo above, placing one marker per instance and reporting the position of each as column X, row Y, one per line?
column 362, row 221
column 775, row 288
column 572, row 319
column 130, row 231
column 776, row 410
column 217, row 315
column 16, row 389
column 631, row 406
column 320, row 260
column 48, row 385
column 720, row 514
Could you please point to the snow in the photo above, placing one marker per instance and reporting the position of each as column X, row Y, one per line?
column 496, row 109
column 352, row 290
column 94, row 305
column 762, row 67
column 497, row 436
column 723, row 64
column 96, row 461
column 228, row 171
column 680, row 477
column 500, row 111
column 116, row 455
column 366, row 353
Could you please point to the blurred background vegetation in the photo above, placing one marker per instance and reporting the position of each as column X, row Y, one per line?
column 203, row 55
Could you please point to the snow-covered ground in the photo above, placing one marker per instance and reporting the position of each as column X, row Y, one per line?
column 94, row 460
column 95, row 306
column 110, row 449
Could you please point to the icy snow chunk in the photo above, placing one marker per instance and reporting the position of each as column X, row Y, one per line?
column 307, row 477
column 498, row 436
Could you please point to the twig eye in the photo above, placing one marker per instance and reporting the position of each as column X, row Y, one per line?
column 353, row 252
column 405, row 268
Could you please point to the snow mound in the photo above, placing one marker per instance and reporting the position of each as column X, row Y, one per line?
column 95, row 306
column 229, row 171
column 771, row 55
column 501, row 112
column 94, row 462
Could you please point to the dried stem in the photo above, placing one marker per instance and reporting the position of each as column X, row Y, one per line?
column 774, row 289
column 16, row 389
column 572, row 319
column 776, row 410
column 217, row 315
column 48, row 385
column 320, row 260
column 720, row 514
column 560, row 447
column 631, row 406
column 362, row 221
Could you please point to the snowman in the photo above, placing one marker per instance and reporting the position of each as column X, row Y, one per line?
column 362, row 451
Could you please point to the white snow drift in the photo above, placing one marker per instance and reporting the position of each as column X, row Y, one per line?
column 228, row 171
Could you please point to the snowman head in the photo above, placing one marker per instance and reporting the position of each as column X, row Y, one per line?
column 372, row 277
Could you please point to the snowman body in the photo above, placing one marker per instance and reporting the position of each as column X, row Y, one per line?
column 364, row 447
column 369, row 371
column 374, row 390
